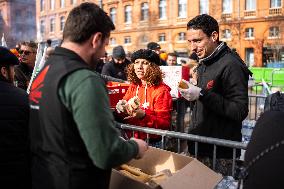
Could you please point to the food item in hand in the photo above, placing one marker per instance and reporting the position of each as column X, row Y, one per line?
column 183, row 85
column 134, row 103
column 121, row 106
column 134, row 173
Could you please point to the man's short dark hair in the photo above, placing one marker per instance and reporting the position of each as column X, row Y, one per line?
column 85, row 20
column 172, row 54
column 204, row 22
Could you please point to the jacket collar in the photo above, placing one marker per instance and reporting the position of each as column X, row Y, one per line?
column 60, row 51
column 219, row 50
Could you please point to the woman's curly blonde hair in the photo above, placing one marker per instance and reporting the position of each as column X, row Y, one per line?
column 154, row 75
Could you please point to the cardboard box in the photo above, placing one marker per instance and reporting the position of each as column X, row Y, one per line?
column 188, row 173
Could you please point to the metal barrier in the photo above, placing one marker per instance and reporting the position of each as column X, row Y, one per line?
column 183, row 136
column 256, row 106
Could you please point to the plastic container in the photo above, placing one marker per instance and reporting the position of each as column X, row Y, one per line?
column 116, row 92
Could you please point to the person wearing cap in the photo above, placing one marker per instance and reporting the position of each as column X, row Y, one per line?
column 157, row 49
column 147, row 85
column 117, row 66
column 14, row 120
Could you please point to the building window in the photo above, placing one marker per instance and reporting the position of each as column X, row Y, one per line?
column 275, row 3
column 52, row 25
column 249, row 56
column 182, row 8
column 249, row 33
column 226, row 34
column 112, row 41
column 73, row 2
column 52, row 4
column 181, row 36
column 42, row 27
column 127, row 40
column 203, row 7
column 42, row 5
column 162, row 37
column 62, row 22
column 227, row 6
column 274, row 32
column 62, row 3
column 162, row 9
column 127, row 14
column 112, row 13
column 144, row 39
column 144, row 11
column 29, row 15
column 18, row 15
column 250, row 5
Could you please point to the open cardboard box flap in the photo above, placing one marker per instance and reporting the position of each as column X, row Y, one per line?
column 187, row 172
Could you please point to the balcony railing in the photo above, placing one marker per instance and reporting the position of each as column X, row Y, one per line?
column 226, row 16
column 275, row 11
column 249, row 13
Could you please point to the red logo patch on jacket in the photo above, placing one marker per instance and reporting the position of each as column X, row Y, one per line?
column 210, row 84
column 37, row 84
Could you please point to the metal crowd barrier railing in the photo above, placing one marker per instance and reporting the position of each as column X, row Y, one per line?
column 183, row 136
column 256, row 106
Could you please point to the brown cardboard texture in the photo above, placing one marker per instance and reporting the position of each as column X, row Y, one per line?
column 188, row 173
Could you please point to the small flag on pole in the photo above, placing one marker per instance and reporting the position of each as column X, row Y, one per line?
column 36, row 67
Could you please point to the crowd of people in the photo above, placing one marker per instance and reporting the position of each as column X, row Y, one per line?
column 63, row 134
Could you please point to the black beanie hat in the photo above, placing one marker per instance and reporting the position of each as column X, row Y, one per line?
column 153, row 46
column 7, row 57
column 146, row 54
column 118, row 52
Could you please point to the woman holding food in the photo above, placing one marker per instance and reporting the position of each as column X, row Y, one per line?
column 147, row 102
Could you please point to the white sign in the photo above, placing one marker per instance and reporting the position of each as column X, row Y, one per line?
column 172, row 76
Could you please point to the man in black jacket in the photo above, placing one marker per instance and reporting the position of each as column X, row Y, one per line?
column 117, row 66
column 14, row 118
column 220, row 98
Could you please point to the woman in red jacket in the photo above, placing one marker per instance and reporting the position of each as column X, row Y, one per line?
column 155, row 102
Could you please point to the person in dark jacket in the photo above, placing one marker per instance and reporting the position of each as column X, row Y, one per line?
column 14, row 119
column 24, row 70
column 117, row 66
column 264, row 165
column 74, row 141
column 220, row 98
